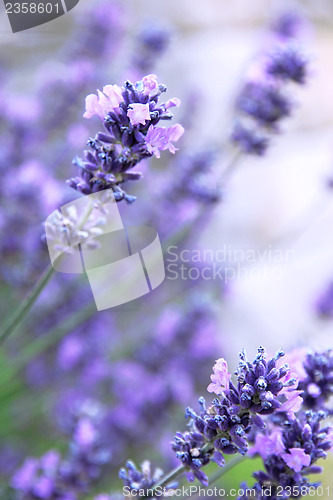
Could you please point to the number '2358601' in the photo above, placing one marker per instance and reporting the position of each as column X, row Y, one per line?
column 25, row 15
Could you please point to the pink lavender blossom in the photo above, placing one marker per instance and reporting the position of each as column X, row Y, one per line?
column 220, row 378
column 161, row 138
column 172, row 103
column 295, row 360
column 138, row 113
column 268, row 444
column 150, row 84
column 292, row 405
column 296, row 459
column 104, row 102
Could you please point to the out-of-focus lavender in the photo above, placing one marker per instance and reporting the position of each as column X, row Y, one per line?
column 264, row 101
column 150, row 44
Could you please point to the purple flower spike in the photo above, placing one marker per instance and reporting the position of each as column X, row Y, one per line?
column 288, row 64
column 130, row 115
column 262, row 103
column 301, row 443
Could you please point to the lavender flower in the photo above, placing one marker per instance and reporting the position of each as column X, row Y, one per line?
column 269, row 443
column 143, row 480
column 249, row 140
column 301, row 444
column 287, row 25
column 131, row 115
column 220, row 378
column 151, row 42
column 263, row 103
column 223, row 427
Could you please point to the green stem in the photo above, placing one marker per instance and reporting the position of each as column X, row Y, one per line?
column 41, row 345
column 174, row 474
column 15, row 319
column 230, row 465
column 178, row 471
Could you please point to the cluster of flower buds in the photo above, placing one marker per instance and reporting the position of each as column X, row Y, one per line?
column 223, row 428
column 52, row 477
column 290, row 455
column 130, row 115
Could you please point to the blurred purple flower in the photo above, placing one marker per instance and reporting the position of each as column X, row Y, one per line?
column 288, row 63
column 249, row 140
column 268, row 444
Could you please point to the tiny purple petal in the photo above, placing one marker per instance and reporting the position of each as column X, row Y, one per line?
column 150, row 84
column 43, row 487
column 292, row 405
column 92, row 107
column 102, row 103
column 138, row 113
column 113, row 93
column 220, row 378
column 24, row 477
column 296, row 459
column 172, row 103
column 160, row 138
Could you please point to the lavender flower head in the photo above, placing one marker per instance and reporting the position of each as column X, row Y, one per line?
column 263, row 102
column 288, row 25
column 262, row 389
column 130, row 115
column 290, row 455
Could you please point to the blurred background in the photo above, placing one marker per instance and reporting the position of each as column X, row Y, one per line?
column 68, row 366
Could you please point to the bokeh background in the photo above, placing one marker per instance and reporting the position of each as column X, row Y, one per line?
column 67, row 363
